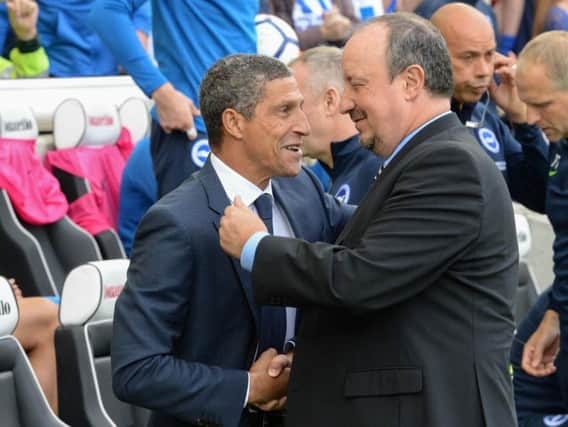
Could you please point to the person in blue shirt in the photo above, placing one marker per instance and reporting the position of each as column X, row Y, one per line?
column 333, row 138
column 137, row 192
column 557, row 17
column 541, row 81
column 73, row 47
column 522, row 157
column 188, row 38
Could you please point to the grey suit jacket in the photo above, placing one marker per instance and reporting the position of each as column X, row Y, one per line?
column 407, row 319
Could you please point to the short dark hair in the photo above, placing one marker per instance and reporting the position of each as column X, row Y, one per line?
column 237, row 82
column 414, row 40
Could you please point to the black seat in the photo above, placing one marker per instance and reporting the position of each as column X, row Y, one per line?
column 93, row 126
column 22, row 402
column 83, row 349
column 39, row 244
column 527, row 292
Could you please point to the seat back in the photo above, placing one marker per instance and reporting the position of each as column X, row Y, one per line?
column 135, row 116
column 22, row 402
column 524, row 238
column 92, row 148
column 83, row 345
column 38, row 242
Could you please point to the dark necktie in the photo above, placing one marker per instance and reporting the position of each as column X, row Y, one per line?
column 272, row 319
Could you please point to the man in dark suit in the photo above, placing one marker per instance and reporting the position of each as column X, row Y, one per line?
column 407, row 318
column 186, row 328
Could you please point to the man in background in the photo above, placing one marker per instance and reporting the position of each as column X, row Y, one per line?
column 333, row 139
column 521, row 156
column 188, row 39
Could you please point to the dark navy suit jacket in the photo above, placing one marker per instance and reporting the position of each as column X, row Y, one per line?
column 186, row 324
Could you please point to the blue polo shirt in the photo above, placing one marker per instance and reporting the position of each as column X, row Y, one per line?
column 557, row 212
column 523, row 160
column 72, row 45
column 354, row 170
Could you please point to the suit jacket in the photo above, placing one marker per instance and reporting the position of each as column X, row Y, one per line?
column 186, row 325
column 407, row 319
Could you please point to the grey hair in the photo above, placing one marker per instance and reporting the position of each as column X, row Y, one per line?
column 413, row 40
column 549, row 49
column 324, row 64
column 237, row 82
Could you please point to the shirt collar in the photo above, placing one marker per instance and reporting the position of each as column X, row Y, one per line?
column 408, row 137
column 235, row 184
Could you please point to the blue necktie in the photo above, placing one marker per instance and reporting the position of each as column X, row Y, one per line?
column 272, row 319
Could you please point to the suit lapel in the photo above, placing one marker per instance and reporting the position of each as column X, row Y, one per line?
column 218, row 201
column 375, row 195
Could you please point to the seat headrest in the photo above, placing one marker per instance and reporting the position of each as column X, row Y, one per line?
column 76, row 123
column 9, row 314
column 18, row 123
column 135, row 116
column 90, row 291
column 524, row 240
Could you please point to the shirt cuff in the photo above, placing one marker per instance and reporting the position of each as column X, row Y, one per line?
column 28, row 46
column 290, row 345
column 248, row 389
column 249, row 249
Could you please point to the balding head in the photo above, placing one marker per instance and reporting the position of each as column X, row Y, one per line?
column 460, row 20
column 471, row 43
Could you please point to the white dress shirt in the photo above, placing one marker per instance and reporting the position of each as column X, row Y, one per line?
column 237, row 185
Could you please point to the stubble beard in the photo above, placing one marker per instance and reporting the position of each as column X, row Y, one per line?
column 372, row 143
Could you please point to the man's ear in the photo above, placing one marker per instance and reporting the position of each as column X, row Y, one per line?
column 413, row 81
column 331, row 101
column 233, row 123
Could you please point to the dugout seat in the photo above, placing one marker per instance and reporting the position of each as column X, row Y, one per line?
column 22, row 403
column 38, row 242
column 91, row 150
column 82, row 344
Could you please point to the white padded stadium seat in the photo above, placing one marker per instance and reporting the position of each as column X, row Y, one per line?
column 135, row 116
column 90, row 291
column 78, row 124
column 23, row 403
column 9, row 311
column 82, row 345
column 40, row 256
column 18, row 123
column 524, row 239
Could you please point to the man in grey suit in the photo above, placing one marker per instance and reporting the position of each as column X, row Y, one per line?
column 407, row 318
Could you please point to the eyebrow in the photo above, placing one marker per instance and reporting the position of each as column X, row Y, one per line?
column 289, row 103
column 350, row 79
column 540, row 103
column 477, row 52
